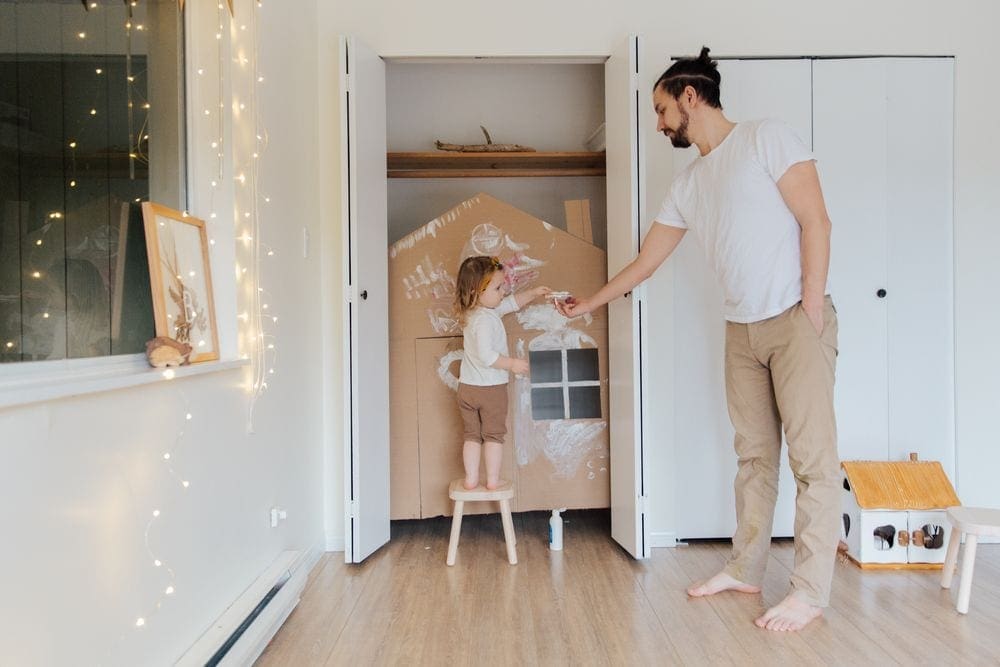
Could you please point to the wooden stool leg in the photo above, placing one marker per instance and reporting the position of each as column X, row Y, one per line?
column 508, row 531
column 456, row 528
column 951, row 559
column 968, row 563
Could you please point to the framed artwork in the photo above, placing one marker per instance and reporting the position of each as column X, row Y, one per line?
column 181, row 280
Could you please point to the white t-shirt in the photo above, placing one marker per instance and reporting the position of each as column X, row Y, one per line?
column 485, row 342
column 730, row 200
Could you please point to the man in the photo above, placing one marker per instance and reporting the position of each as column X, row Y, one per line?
column 753, row 200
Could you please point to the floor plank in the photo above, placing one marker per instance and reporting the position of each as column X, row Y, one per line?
column 593, row 604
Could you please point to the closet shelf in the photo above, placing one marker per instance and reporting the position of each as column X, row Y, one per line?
column 439, row 164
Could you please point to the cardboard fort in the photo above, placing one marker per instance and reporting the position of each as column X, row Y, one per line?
column 556, row 451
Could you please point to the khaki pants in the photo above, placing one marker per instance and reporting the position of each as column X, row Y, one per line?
column 780, row 373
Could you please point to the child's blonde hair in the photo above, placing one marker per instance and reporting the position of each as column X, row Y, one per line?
column 473, row 277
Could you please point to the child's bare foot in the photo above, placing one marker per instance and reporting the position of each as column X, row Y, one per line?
column 718, row 583
column 495, row 484
column 789, row 615
column 470, row 484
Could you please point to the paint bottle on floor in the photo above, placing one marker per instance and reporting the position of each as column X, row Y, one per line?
column 555, row 531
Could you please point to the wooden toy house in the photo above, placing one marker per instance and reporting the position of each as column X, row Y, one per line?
column 894, row 513
column 557, row 424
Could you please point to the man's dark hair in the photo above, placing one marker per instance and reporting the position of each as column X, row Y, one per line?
column 701, row 73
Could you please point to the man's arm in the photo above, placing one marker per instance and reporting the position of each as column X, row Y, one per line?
column 659, row 243
column 799, row 187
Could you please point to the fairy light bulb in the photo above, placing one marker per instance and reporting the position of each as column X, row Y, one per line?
column 139, row 622
column 156, row 513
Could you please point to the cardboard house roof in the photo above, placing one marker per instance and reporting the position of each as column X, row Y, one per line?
column 900, row 485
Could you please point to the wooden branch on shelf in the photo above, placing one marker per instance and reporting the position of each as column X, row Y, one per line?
column 488, row 147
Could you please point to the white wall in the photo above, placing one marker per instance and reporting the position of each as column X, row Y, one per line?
column 777, row 27
column 82, row 476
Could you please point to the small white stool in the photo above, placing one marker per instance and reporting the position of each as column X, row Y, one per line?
column 972, row 522
column 461, row 495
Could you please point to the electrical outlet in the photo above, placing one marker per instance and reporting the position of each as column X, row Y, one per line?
column 277, row 516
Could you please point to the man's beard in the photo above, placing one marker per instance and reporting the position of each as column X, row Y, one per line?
column 679, row 138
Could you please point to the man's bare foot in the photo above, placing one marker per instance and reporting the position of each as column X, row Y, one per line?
column 492, row 486
column 718, row 583
column 789, row 615
column 470, row 484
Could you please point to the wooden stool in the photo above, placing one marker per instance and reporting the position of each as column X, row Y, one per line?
column 973, row 522
column 460, row 495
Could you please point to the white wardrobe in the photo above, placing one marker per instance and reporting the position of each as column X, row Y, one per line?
column 882, row 131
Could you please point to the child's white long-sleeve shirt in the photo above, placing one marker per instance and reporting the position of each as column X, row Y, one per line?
column 485, row 342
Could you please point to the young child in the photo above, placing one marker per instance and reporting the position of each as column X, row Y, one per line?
column 482, row 389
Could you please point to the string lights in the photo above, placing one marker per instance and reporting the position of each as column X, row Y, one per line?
column 258, row 317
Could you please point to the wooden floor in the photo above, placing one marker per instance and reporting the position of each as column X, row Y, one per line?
column 592, row 604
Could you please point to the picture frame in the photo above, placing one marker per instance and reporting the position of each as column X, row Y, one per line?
column 181, row 279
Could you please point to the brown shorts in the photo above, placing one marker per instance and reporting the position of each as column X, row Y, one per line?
column 484, row 412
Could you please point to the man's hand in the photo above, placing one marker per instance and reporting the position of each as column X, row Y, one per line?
column 573, row 307
column 815, row 315
column 519, row 366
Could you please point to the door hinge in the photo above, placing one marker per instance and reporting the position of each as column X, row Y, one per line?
column 644, row 504
column 349, row 293
column 349, row 81
column 352, row 509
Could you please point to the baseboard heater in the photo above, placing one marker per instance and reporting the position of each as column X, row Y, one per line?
column 244, row 630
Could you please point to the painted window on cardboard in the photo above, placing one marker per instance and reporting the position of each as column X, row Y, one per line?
column 565, row 384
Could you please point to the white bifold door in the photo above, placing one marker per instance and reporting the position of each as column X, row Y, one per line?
column 883, row 132
column 625, row 185
column 366, row 314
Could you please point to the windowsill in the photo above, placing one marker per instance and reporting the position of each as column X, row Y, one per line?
column 47, row 380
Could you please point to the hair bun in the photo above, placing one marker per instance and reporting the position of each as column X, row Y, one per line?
column 704, row 53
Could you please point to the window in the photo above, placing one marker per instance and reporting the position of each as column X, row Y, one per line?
column 565, row 384
column 91, row 125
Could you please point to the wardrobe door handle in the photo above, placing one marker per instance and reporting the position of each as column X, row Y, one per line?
column 881, row 293
column 364, row 295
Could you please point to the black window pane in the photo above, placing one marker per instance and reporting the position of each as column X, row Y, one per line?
column 583, row 364
column 78, row 130
column 547, row 403
column 584, row 402
column 546, row 366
